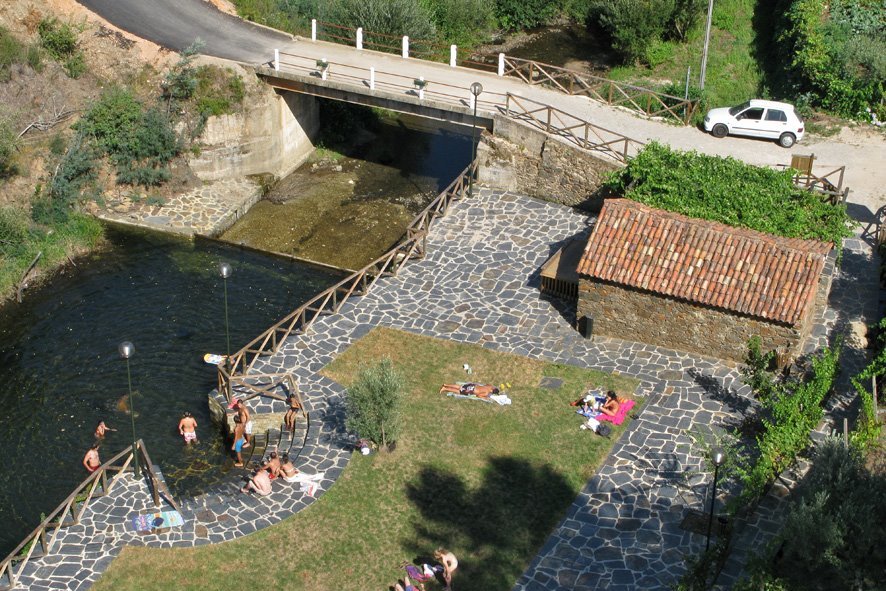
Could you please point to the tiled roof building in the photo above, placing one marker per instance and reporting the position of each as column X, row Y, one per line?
column 661, row 277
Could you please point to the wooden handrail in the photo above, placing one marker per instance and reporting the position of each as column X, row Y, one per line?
column 56, row 520
column 331, row 300
column 561, row 124
column 645, row 100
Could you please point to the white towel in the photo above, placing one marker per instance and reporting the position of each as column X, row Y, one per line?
column 502, row 399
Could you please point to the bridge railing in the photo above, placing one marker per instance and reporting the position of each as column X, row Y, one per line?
column 574, row 130
column 390, row 81
column 98, row 484
column 331, row 300
column 637, row 98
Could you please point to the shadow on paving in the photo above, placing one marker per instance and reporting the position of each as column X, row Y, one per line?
column 494, row 530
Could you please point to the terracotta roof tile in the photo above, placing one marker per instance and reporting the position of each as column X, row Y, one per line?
column 704, row 262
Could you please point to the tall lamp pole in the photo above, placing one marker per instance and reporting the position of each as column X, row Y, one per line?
column 707, row 40
column 225, row 270
column 476, row 89
column 126, row 350
column 717, row 456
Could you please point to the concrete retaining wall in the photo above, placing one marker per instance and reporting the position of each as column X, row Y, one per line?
column 275, row 136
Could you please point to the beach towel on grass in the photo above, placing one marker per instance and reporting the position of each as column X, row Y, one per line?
column 619, row 417
column 501, row 399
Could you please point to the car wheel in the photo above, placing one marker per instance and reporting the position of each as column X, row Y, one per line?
column 787, row 140
column 719, row 130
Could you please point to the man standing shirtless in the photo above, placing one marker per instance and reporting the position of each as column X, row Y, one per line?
column 246, row 421
column 91, row 460
column 187, row 427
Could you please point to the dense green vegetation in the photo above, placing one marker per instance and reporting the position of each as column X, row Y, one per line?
column 375, row 403
column 833, row 532
column 868, row 430
column 729, row 191
column 832, row 54
column 488, row 482
column 60, row 42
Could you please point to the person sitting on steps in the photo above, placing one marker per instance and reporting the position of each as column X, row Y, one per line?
column 291, row 412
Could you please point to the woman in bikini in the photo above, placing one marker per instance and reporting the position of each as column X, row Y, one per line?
column 610, row 407
column 470, row 389
column 287, row 469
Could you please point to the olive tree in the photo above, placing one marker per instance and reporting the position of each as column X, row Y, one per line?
column 374, row 401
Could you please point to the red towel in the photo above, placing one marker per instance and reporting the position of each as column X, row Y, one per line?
column 619, row 417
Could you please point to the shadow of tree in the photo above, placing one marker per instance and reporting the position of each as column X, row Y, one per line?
column 495, row 529
column 741, row 407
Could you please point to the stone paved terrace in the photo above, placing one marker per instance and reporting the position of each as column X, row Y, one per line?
column 209, row 210
column 479, row 284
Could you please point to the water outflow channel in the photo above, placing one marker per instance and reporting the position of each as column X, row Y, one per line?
column 61, row 372
column 347, row 211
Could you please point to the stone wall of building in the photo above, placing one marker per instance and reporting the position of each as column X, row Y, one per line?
column 525, row 160
column 633, row 315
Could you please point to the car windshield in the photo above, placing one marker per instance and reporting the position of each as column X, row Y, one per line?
column 738, row 109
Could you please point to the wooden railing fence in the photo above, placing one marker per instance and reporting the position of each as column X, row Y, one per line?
column 650, row 102
column 583, row 134
column 41, row 541
column 413, row 246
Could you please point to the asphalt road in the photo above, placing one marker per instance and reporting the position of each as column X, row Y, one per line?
column 175, row 24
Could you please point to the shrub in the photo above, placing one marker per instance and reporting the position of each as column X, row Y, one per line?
column 75, row 66
column 218, row 91
column 180, row 82
column 373, row 403
column 460, row 21
column 868, row 429
column 7, row 150
column 57, row 38
column 14, row 230
column 831, row 536
column 392, row 17
column 684, row 17
column 632, row 25
column 139, row 142
column 13, row 52
column 729, row 191
column 524, row 14
column 74, row 173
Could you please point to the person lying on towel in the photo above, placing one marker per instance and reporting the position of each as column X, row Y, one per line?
column 470, row 389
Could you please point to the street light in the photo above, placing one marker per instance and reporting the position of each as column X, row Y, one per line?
column 476, row 89
column 126, row 350
column 717, row 456
column 225, row 270
column 707, row 40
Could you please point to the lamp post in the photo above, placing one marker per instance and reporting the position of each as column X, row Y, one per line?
column 707, row 41
column 717, row 456
column 225, row 270
column 126, row 350
column 476, row 89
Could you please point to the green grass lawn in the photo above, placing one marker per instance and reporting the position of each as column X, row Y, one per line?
column 485, row 481
column 733, row 74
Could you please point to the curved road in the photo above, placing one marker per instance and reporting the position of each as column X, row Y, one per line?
column 175, row 24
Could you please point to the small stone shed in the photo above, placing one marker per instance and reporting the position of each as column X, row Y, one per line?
column 658, row 277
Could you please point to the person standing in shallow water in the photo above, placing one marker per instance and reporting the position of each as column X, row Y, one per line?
column 91, row 461
column 101, row 429
column 187, row 428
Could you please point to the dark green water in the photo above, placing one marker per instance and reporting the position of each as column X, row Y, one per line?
column 62, row 373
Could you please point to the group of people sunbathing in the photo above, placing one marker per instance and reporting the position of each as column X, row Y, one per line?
column 415, row 577
column 270, row 469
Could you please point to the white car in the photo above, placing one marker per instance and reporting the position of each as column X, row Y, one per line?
column 757, row 118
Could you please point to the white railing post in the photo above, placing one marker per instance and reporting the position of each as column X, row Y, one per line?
column 372, row 78
column 501, row 64
column 277, row 59
column 313, row 29
column 453, row 52
column 405, row 46
column 324, row 71
column 359, row 38
column 471, row 100
column 421, row 90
